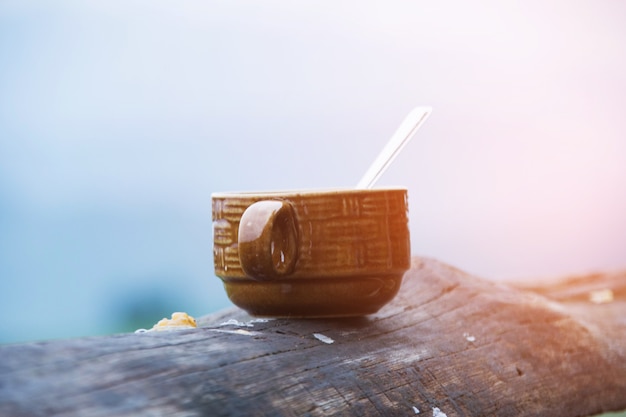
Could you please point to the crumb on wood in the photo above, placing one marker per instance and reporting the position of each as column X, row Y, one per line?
column 601, row 296
column 178, row 321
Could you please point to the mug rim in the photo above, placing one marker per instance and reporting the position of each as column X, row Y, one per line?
column 307, row 191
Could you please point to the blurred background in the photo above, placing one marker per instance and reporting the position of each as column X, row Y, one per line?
column 118, row 119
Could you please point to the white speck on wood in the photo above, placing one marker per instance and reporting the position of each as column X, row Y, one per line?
column 469, row 337
column 438, row 413
column 322, row 338
column 238, row 331
column 251, row 323
column 416, row 410
column 407, row 355
column 233, row 322
column 164, row 329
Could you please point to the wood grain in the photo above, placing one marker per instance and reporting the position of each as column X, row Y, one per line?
column 449, row 343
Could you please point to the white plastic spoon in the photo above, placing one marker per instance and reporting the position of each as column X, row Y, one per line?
column 411, row 123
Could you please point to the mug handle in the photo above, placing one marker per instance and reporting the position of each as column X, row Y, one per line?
column 268, row 240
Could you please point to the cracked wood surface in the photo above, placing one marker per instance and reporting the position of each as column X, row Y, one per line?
column 449, row 343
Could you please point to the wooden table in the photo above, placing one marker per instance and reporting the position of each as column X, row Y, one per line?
column 449, row 344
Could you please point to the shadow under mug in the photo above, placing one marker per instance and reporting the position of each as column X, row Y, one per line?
column 326, row 253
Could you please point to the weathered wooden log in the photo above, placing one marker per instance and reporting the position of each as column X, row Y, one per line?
column 450, row 343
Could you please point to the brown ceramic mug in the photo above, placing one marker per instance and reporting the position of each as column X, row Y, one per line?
column 322, row 253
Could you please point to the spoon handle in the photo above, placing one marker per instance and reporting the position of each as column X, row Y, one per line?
column 411, row 123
